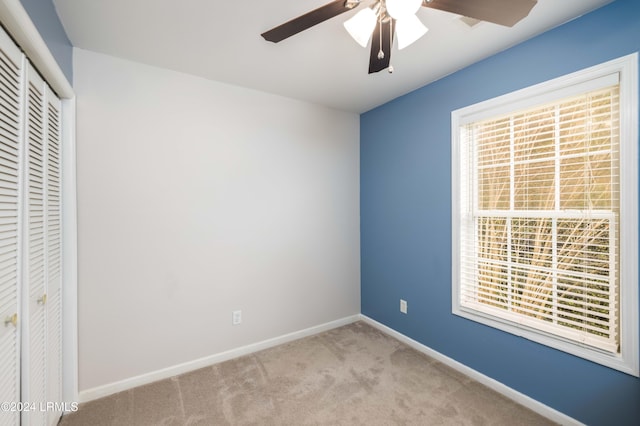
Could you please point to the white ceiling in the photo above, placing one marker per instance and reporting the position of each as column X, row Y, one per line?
column 220, row 40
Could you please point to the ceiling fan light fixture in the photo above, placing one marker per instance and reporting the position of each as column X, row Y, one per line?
column 361, row 25
column 408, row 30
column 399, row 9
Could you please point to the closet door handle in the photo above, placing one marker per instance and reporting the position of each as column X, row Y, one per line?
column 13, row 320
column 42, row 300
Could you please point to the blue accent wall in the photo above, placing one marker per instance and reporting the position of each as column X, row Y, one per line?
column 405, row 153
column 45, row 18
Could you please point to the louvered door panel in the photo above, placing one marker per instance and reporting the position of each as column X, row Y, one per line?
column 30, row 241
column 53, row 255
column 10, row 124
column 34, row 372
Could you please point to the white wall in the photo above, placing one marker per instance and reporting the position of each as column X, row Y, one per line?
column 196, row 198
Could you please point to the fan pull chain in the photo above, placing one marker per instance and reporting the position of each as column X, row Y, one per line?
column 391, row 22
column 380, row 52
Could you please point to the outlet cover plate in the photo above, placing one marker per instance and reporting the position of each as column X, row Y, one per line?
column 236, row 317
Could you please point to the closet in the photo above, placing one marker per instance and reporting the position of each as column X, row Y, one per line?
column 30, row 243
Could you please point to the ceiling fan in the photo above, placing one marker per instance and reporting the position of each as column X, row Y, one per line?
column 384, row 18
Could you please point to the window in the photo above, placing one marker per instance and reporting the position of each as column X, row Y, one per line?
column 545, row 218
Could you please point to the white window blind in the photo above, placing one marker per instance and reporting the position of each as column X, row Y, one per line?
column 545, row 213
column 541, row 243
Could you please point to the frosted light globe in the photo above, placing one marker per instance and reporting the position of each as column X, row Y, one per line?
column 402, row 8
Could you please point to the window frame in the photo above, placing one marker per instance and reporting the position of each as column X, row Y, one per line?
column 627, row 360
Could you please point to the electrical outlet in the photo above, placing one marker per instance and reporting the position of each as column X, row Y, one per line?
column 236, row 317
column 403, row 306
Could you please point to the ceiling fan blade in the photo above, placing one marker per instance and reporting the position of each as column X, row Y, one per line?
column 502, row 12
column 308, row 20
column 376, row 64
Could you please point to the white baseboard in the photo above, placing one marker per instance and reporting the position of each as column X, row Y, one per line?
column 520, row 398
column 165, row 373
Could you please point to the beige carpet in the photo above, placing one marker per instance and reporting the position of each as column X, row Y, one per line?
column 352, row 375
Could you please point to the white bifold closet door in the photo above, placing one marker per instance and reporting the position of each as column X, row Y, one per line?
column 53, row 248
column 34, row 368
column 30, row 242
column 11, row 70
column 42, row 369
